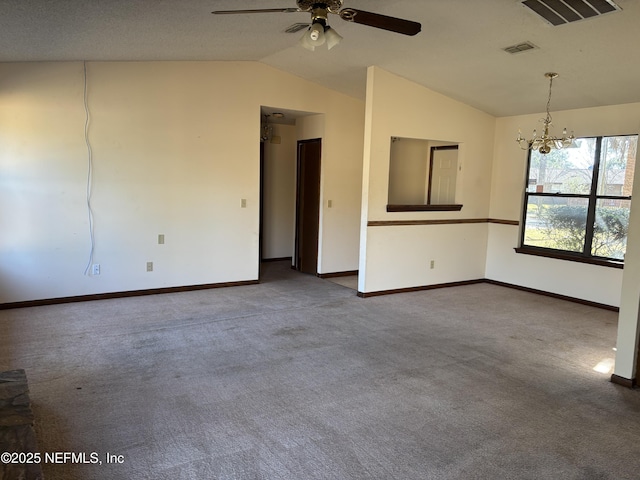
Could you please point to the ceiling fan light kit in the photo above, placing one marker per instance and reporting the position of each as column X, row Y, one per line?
column 320, row 32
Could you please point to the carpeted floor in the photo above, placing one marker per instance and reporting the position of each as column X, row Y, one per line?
column 297, row 378
column 350, row 281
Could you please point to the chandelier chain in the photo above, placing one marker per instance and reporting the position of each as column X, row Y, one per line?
column 549, row 100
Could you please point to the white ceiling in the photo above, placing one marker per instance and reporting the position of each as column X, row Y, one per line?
column 458, row 53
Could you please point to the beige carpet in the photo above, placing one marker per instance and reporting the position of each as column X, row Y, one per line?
column 298, row 378
column 350, row 281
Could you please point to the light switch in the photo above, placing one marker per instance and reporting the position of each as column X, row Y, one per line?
column 243, row 203
column 161, row 239
column 330, row 203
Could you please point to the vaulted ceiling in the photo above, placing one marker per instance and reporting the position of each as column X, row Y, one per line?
column 459, row 52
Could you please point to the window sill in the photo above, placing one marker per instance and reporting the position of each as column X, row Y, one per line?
column 568, row 256
column 424, row 208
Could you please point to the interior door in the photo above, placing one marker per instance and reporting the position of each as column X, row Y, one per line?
column 308, row 206
column 442, row 178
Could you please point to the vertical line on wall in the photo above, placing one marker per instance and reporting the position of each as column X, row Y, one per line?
column 89, row 169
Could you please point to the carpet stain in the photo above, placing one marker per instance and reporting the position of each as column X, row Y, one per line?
column 290, row 331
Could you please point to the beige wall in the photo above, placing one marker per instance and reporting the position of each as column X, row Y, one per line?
column 589, row 282
column 175, row 150
column 408, row 171
column 398, row 257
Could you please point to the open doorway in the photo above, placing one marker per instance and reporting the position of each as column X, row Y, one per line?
column 280, row 131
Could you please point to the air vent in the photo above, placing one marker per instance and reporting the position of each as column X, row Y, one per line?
column 296, row 27
column 519, row 48
column 559, row 12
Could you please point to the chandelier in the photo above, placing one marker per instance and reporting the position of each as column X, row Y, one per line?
column 545, row 143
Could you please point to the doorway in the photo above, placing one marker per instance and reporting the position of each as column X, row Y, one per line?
column 307, row 205
column 443, row 169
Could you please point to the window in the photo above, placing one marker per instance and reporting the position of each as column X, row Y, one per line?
column 577, row 200
column 422, row 175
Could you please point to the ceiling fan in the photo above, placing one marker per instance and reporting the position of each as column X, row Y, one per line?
column 320, row 32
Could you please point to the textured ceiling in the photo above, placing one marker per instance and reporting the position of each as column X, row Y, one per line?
column 458, row 53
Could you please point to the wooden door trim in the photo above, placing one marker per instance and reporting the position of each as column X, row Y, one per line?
column 296, row 260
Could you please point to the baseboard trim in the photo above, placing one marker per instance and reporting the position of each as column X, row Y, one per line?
column 419, row 288
column 554, row 295
column 625, row 382
column 492, row 282
column 348, row 273
column 187, row 288
column 124, row 294
column 280, row 259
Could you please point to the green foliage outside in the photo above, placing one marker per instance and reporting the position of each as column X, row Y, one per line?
column 563, row 227
column 610, row 232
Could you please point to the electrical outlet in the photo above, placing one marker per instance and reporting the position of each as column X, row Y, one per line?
column 149, row 266
column 161, row 239
column 432, row 264
column 95, row 269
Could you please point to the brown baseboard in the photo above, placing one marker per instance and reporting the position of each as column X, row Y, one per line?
column 625, row 382
column 492, row 282
column 130, row 293
column 349, row 273
column 419, row 289
column 554, row 295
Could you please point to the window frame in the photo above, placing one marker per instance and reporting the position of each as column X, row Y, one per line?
column 592, row 198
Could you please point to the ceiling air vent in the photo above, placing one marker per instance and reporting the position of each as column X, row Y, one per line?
column 296, row 27
column 559, row 12
column 519, row 48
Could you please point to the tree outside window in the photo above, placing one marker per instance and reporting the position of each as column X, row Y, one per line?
column 577, row 199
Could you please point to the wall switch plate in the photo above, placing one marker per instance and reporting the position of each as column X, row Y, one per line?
column 149, row 266
column 432, row 264
column 95, row 269
column 330, row 203
column 243, row 203
column 161, row 239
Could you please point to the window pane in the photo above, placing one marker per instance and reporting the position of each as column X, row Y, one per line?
column 569, row 170
column 617, row 163
column 556, row 222
column 610, row 229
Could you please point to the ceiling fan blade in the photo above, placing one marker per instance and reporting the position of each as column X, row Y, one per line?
column 393, row 24
column 261, row 10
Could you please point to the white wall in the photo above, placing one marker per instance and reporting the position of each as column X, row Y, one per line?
column 176, row 149
column 629, row 318
column 279, row 193
column 588, row 282
column 394, row 257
